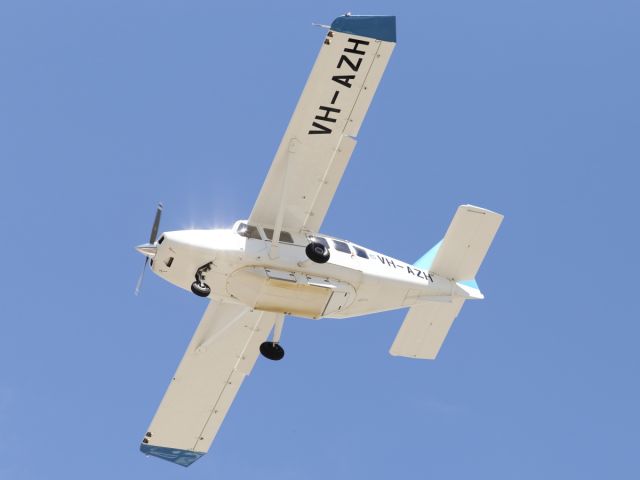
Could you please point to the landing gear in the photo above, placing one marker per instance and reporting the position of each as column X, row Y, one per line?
column 198, row 287
column 201, row 289
column 272, row 350
column 317, row 252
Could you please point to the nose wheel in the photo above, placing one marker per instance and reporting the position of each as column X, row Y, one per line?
column 201, row 289
column 198, row 287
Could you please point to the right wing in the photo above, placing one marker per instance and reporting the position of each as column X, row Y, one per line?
column 221, row 353
column 320, row 138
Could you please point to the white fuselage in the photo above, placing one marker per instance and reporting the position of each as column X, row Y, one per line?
column 283, row 279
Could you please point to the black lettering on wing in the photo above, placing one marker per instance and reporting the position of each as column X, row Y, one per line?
column 320, row 129
column 344, row 80
column 327, row 114
column 345, row 59
column 356, row 43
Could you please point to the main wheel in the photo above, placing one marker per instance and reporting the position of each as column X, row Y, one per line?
column 271, row 350
column 200, row 289
column 317, row 252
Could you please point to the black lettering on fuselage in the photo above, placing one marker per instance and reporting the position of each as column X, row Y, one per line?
column 416, row 272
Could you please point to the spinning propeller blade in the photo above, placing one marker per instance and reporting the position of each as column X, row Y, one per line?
column 156, row 224
column 139, row 284
column 152, row 241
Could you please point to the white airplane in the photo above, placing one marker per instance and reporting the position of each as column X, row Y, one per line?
column 276, row 263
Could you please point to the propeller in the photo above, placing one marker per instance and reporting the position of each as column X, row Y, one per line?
column 149, row 249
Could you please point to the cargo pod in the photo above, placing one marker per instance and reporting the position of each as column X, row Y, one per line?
column 292, row 293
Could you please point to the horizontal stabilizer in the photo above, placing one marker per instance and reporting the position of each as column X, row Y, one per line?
column 424, row 329
column 466, row 242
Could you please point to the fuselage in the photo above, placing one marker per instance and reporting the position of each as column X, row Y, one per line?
column 248, row 268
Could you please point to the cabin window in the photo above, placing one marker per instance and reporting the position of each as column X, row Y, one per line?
column 341, row 246
column 285, row 237
column 320, row 240
column 360, row 252
column 248, row 231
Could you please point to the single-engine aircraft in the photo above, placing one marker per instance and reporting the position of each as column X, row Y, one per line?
column 276, row 263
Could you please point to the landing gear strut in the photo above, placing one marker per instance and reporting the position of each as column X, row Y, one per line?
column 198, row 287
column 272, row 350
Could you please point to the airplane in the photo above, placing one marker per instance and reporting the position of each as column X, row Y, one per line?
column 276, row 263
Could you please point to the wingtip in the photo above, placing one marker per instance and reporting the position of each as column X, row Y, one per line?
column 184, row 458
column 380, row 27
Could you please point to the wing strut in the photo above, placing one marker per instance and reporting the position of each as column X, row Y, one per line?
column 277, row 229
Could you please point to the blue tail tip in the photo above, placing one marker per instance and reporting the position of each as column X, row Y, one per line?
column 174, row 455
column 380, row 27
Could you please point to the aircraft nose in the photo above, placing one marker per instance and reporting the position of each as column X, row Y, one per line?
column 147, row 249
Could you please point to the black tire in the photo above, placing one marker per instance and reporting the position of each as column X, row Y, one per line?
column 272, row 351
column 200, row 289
column 317, row 252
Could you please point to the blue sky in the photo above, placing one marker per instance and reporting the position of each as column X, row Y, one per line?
column 528, row 108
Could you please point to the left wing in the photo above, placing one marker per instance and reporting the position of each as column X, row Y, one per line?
column 221, row 353
column 321, row 135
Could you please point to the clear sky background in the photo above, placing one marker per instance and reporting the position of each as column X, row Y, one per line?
column 529, row 108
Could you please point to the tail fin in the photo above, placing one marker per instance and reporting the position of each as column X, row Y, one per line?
column 457, row 257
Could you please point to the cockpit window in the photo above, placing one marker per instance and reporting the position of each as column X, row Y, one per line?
column 248, row 231
column 285, row 237
column 341, row 246
column 361, row 252
column 161, row 240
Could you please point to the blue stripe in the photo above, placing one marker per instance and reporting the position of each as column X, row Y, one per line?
column 372, row 26
column 175, row 455
column 470, row 283
column 426, row 260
